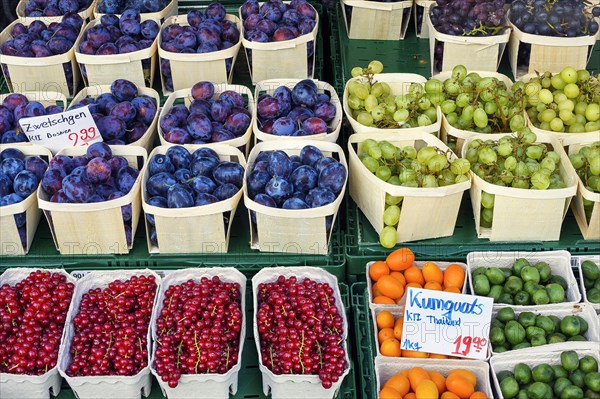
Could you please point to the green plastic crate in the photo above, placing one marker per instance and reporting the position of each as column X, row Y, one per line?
column 250, row 379
column 364, row 341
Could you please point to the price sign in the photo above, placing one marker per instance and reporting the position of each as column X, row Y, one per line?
column 68, row 129
column 446, row 323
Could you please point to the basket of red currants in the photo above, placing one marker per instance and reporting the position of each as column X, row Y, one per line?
column 21, row 170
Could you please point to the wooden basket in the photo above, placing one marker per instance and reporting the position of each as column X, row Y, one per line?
column 105, row 69
column 85, row 14
column 425, row 212
column 187, row 69
column 159, row 16
column 580, row 260
column 475, row 53
column 292, row 230
column 10, row 241
column 242, row 142
column 284, row 60
column 461, row 135
column 371, row 20
column 96, row 228
column 549, row 53
column 520, row 214
column 589, row 229
column 399, row 84
column 422, row 28
column 147, row 140
column 269, row 87
column 177, row 229
column 38, row 74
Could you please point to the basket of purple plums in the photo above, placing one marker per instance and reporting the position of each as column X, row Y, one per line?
column 124, row 113
column 187, row 187
column 376, row 20
column 29, row 104
column 53, row 10
column 202, row 45
column 21, row 170
column 290, row 108
column 36, row 56
column 279, row 38
column 208, row 113
column 91, row 198
column 113, row 47
column 293, row 191
column 157, row 10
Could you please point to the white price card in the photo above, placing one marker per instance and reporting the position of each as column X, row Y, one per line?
column 68, row 129
column 446, row 323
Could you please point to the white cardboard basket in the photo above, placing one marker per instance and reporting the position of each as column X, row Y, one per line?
column 386, row 368
column 583, row 310
column 10, row 241
column 535, row 356
column 425, row 212
column 39, row 74
column 147, row 140
column 85, row 14
column 242, row 142
column 399, row 84
column 475, row 53
column 269, row 87
column 177, row 229
column 19, row 386
column 293, row 386
column 589, row 229
column 159, row 16
column 292, row 230
column 580, row 260
column 423, row 27
column 459, row 134
column 376, row 21
column 96, row 228
column 106, row 386
column 441, row 265
column 559, row 262
column 522, row 214
column 214, row 386
column 284, row 60
column 187, row 69
column 105, row 69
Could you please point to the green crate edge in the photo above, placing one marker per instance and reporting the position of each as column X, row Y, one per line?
column 365, row 360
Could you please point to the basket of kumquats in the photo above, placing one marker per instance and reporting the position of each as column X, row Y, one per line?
column 388, row 280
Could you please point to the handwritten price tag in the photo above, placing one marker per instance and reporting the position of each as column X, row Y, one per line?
column 446, row 323
column 68, row 129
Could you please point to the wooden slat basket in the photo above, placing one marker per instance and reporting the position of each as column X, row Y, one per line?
column 425, row 212
column 520, row 214
column 242, row 142
column 10, row 240
column 372, row 20
column 292, row 230
column 105, row 69
column 85, row 14
column 187, row 69
column 96, row 228
column 399, row 84
column 285, row 60
column 580, row 260
column 269, row 87
column 199, row 229
column 422, row 27
column 39, row 74
column 159, row 16
column 475, row 53
column 590, row 228
column 147, row 140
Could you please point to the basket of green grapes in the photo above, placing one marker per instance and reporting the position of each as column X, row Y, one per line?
column 475, row 103
column 409, row 186
column 522, row 185
column 584, row 154
column 376, row 102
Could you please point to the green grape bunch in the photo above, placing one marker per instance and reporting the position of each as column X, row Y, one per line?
column 587, row 165
column 479, row 104
column 427, row 167
column 565, row 102
column 515, row 161
column 372, row 103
